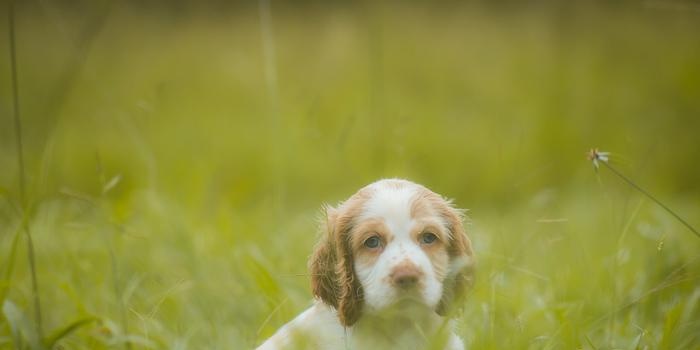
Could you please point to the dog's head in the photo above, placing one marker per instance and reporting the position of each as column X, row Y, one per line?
column 393, row 241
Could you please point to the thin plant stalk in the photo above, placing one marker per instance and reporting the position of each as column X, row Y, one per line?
column 22, row 174
column 113, row 260
column 631, row 183
column 117, row 292
column 267, row 38
column 269, row 55
column 602, row 158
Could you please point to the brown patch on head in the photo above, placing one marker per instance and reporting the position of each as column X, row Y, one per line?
column 333, row 278
column 437, row 250
column 461, row 274
column 420, row 206
column 365, row 256
column 458, row 270
column 368, row 228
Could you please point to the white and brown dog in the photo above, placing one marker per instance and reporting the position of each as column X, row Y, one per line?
column 392, row 266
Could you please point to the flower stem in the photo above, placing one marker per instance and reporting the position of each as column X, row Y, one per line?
column 634, row 185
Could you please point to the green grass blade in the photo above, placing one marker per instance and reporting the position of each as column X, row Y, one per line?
column 9, row 265
column 21, row 328
column 67, row 330
column 590, row 342
column 13, row 316
column 670, row 325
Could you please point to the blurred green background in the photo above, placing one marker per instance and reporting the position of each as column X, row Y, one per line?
column 177, row 156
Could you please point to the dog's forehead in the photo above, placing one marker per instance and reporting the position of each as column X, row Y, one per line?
column 387, row 202
column 392, row 201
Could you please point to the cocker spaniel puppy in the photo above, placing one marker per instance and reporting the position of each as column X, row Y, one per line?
column 393, row 264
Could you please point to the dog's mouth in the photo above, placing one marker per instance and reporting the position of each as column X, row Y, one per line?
column 405, row 306
column 408, row 297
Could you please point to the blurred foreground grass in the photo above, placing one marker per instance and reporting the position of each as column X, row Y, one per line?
column 176, row 168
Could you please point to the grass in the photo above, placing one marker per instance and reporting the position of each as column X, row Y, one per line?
column 177, row 159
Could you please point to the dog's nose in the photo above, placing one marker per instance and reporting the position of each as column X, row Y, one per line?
column 406, row 275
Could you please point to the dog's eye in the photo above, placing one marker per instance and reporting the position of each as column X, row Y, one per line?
column 372, row 242
column 428, row 238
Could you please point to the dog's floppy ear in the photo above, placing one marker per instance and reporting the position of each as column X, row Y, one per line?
column 323, row 261
column 460, row 276
column 333, row 278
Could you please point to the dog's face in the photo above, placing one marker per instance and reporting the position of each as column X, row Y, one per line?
column 392, row 242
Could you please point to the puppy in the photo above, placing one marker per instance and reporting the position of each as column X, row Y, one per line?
column 393, row 264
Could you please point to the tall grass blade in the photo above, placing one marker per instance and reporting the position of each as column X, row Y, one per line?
column 590, row 342
column 670, row 326
column 118, row 295
column 269, row 55
column 20, row 327
column 9, row 265
column 13, row 317
column 67, row 330
column 22, row 175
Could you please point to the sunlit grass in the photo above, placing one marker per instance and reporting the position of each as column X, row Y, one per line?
column 171, row 203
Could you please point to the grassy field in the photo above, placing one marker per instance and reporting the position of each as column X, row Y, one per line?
column 177, row 157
